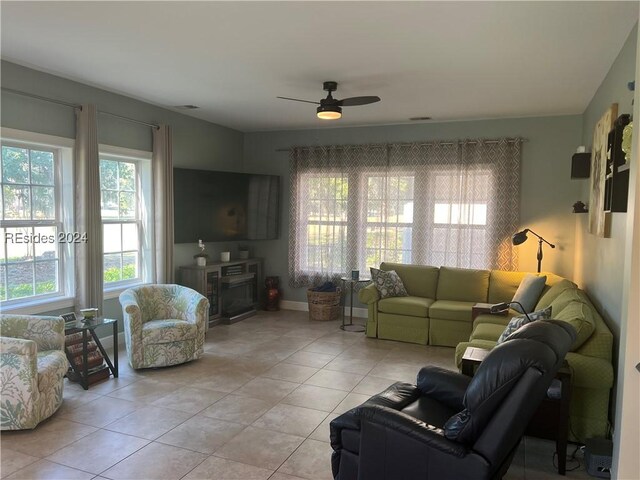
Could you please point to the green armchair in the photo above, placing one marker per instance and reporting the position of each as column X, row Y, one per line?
column 163, row 325
column 32, row 369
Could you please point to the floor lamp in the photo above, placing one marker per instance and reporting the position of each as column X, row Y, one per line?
column 521, row 237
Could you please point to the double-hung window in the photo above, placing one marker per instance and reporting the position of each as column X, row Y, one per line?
column 440, row 203
column 325, row 215
column 459, row 223
column 36, row 247
column 126, row 220
column 389, row 218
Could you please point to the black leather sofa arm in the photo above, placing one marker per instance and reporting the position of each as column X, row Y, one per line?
column 396, row 396
column 410, row 427
column 394, row 446
column 443, row 385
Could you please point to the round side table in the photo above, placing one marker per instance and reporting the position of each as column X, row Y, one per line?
column 350, row 327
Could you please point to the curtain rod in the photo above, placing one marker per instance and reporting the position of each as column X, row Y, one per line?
column 38, row 97
column 428, row 144
column 131, row 120
column 74, row 105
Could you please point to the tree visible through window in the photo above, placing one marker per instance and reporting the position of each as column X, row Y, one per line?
column 326, row 221
column 434, row 203
column 29, row 210
column 121, row 220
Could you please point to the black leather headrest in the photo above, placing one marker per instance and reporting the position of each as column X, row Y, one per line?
column 542, row 345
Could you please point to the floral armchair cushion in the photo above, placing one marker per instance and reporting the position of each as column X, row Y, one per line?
column 163, row 324
column 32, row 369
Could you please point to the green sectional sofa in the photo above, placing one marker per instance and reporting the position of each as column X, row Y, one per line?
column 438, row 312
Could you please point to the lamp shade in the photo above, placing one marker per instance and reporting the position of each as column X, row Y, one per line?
column 519, row 237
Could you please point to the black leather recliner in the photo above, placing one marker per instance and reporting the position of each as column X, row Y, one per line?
column 450, row 426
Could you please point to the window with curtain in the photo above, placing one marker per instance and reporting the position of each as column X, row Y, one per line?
column 35, row 250
column 442, row 204
column 126, row 224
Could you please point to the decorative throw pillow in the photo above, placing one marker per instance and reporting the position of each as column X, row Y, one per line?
column 388, row 283
column 516, row 322
column 529, row 292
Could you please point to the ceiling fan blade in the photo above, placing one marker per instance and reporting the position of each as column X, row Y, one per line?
column 355, row 101
column 298, row 100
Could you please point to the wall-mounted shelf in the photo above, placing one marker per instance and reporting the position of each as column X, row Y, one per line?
column 616, row 186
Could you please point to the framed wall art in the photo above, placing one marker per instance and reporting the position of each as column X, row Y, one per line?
column 599, row 220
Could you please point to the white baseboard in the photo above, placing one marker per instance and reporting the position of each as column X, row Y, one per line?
column 304, row 307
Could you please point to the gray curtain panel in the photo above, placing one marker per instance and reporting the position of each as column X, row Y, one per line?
column 86, row 171
column 162, row 167
column 438, row 203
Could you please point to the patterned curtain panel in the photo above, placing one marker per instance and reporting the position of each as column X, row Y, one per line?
column 442, row 203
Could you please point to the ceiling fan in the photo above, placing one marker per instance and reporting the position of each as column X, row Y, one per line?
column 331, row 108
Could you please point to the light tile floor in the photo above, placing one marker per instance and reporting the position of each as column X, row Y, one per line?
column 257, row 405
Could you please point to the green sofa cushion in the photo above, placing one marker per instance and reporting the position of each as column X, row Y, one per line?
column 463, row 285
column 451, row 310
column 495, row 319
column 503, row 285
column 487, row 331
column 369, row 294
column 565, row 298
column 581, row 317
column 412, row 306
column 419, row 280
column 551, row 293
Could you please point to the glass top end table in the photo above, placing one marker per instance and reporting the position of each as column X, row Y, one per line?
column 351, row 327
column 80, row 372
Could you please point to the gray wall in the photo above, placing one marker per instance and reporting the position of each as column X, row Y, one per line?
column 196, row 143
column 600, row 261
column 547, row 192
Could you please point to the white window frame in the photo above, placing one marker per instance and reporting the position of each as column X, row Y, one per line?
column 144, row 215
column 461, row 223
column 357, row 217
column 64, row 193
column 384, row 224
column 305, row 178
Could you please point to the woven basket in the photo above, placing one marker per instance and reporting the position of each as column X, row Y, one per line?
column 324, row 306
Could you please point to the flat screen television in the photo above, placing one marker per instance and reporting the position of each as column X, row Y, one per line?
column 222, row 206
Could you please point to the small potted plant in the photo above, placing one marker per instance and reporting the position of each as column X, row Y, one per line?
column 201, row 257
column 243, row 252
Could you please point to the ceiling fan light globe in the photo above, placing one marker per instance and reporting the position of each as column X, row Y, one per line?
column 329, row 112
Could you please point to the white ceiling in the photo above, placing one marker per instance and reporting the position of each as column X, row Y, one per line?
column 447, row 60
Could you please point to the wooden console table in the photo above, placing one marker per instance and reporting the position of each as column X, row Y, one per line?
column 213, row 278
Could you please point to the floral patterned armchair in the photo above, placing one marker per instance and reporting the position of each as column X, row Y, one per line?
column 32, row 369
column 163, row 324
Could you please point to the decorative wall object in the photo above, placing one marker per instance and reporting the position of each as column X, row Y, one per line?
column 598, row 219
column 580, row 207
column 627, row 142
